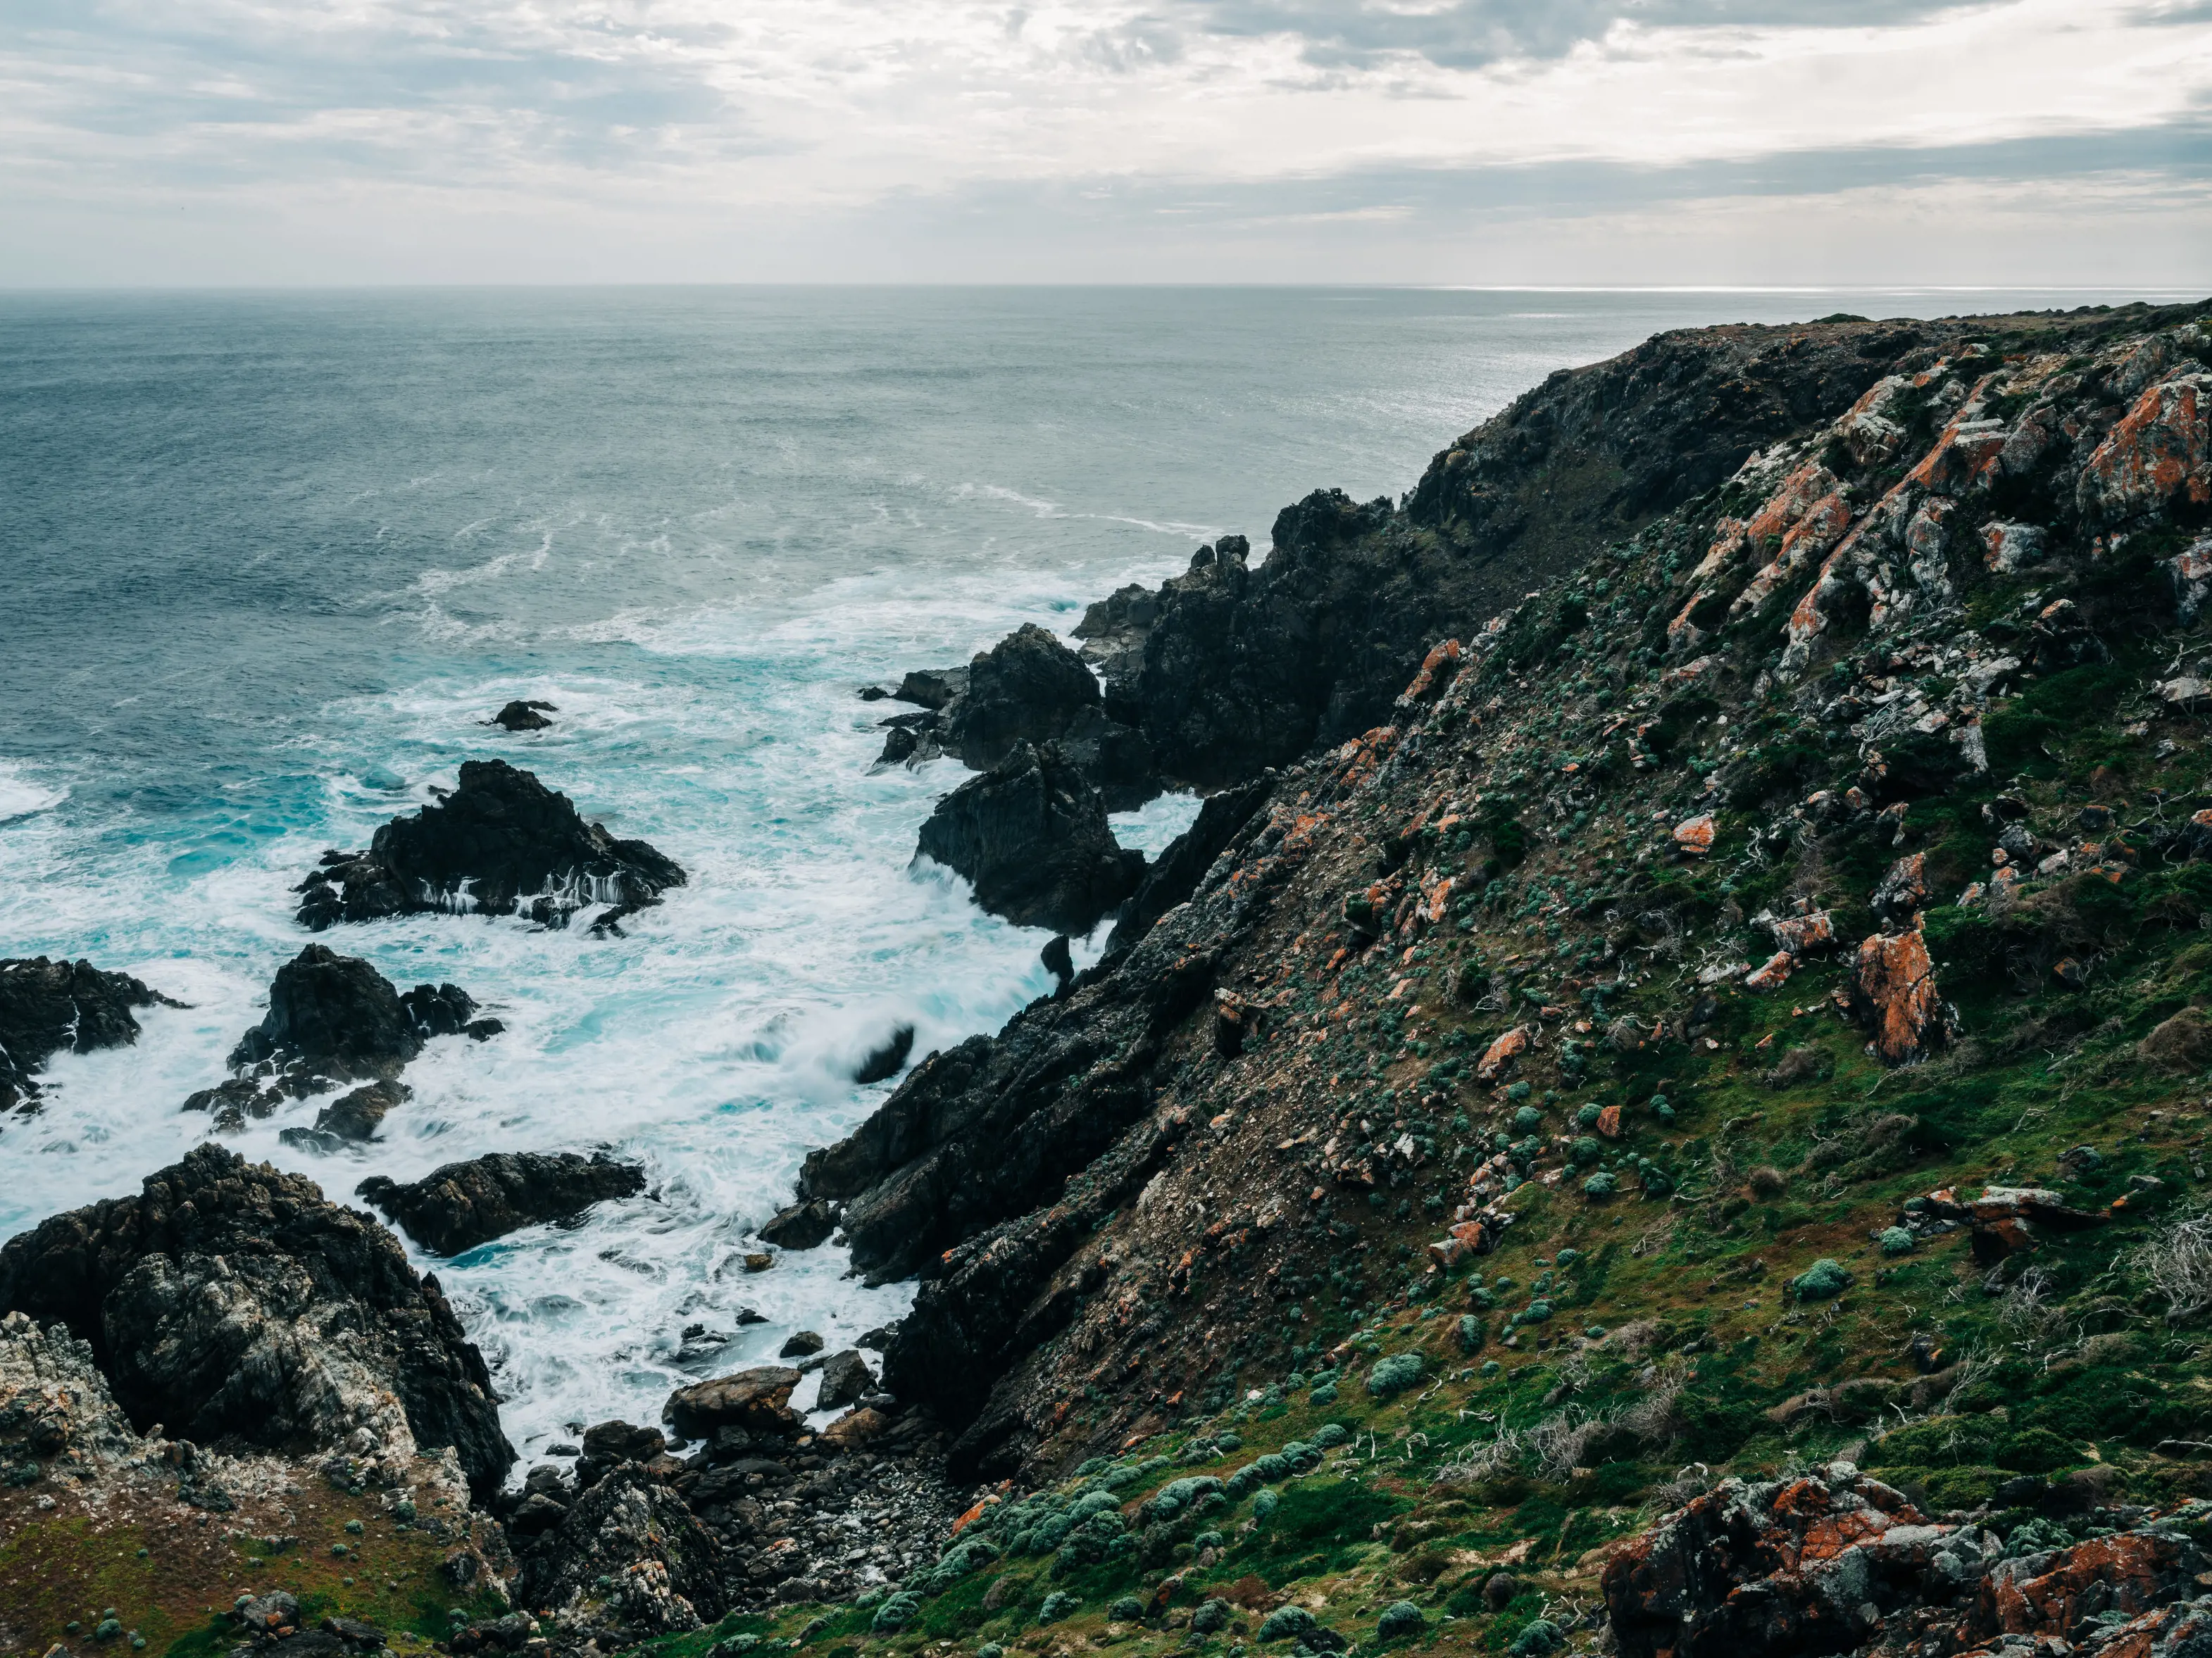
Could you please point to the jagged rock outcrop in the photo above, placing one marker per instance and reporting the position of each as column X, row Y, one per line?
column 233, row 1304
column 1032, row 834
column 46, row 1007
column 53, row 1399
column 631, row 1542
column 461, row 1204
column 336, row 1016
column 1028, row 688
column 1633, row 752
column 1244, row 668
column 332, row 1020
column 500, row 838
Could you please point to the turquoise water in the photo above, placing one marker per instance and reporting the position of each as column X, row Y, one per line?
column 266, row 561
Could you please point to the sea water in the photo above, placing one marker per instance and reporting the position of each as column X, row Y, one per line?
column 269, row 561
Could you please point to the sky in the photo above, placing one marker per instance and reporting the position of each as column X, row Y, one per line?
column 1725, row 143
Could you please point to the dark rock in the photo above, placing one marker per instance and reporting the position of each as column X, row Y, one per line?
column 333, row 1015
column 873, row 693
column 758, row 1400
column 981, row 1132
column 523, row 716
column 46, row 1007
column 626, row 1521
column 1028, row 688
column 901, row 745
column 805, row 1343
column 1116, row 759
column 536, row 1514
column 1034, row 838
column 443, row 1010
column 845, row 1379
column 1113, row 630
column 619, row 1441
column 232, row 1304
column 1058, row 960
column 802, row 1226
column 236, row 1101
column 1175, row 876
column 463, row 1205
column 931, row 688
column 500, row 837
column 887, row 1061
column 356, row 1116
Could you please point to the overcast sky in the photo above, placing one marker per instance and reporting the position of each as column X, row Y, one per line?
column 1724, row 141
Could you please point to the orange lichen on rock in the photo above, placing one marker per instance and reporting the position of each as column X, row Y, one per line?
column 1694, row 836
column 1502, row 1052
column 2160, row 453
column 1894, row 992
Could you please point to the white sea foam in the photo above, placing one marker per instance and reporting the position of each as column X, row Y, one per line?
column 23, row 797
column 715, row 1042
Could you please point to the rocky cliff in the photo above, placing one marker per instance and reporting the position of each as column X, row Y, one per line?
column 1660, row 1108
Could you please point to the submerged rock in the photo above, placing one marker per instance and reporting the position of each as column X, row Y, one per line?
column 46, row 1007
column 523, row 716
column 500, row 837
column 1033, row 836
column 233, row 1304
column 461, row 1204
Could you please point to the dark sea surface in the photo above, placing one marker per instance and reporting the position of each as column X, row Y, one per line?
column 267, row 561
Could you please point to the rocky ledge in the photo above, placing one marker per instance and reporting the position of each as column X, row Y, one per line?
column 461, row 1204
column 1032, row 834
column 502, row 839
column 47, row 1006
column 236, row 1305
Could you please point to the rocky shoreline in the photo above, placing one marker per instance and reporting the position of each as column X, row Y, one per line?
column 1508, row 916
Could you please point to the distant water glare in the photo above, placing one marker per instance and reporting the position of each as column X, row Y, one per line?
column 267, row 563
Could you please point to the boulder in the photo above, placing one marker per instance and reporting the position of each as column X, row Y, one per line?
column 801, row 1226
column 1032, row 836
column 758, row 1400
column 1894, row 992
column 1828, row 1563
column 803, row 1344
column 462, row 1205
column 523, row 716
column 500, row 837
column 845, row 1379
column 46, row 1007
column 1028, row 688
column 888, row 1059
column 234, row 1304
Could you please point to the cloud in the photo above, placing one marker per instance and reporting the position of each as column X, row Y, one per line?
column 741, row 137
column 1474, row 33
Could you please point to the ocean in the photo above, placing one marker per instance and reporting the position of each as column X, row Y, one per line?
column 269, row 561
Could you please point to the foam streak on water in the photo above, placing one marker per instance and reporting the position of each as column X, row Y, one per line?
column 270, row 563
